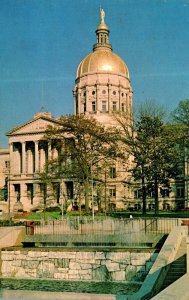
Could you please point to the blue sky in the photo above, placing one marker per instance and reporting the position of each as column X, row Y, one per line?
column 43, row 41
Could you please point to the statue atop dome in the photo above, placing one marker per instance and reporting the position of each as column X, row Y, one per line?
column 102, row 15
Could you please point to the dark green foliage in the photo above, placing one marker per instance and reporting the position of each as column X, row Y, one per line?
column 153, row 145
column 53, row 209
column 156, row 156
column 181, row 114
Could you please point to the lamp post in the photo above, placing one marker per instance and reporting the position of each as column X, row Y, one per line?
column 62, row 196
column 92, row 190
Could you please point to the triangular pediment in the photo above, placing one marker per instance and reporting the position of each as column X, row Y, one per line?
column 33, row 126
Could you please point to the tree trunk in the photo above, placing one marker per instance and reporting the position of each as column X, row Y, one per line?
column 156, row 196
column 143, row 197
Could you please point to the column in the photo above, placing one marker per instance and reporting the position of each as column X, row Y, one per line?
column 109, row 97
column 36, row 194
column 119, row 91
column 23, row 195
column 130, row 103
column 79, row 100
column 49, row 156
column 127, row 103
column 98, row 108
column 12, row 198
column 29, row 155
column 87, row 101
column 75, row 102
column 24, row 158
column 42, row 159
column 11, row 159
column 36, row 156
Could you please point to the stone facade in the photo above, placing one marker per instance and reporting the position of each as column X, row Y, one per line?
column 91, row 266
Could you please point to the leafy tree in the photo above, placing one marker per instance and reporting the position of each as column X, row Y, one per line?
column 152, row 144
column 84, row 144
column 181, row 114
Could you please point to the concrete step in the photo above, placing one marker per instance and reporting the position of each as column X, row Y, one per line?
column 178, row 267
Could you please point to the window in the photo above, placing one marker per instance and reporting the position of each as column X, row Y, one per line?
column 103, row 92
column 122, row 107
column 6, row 164
column 114, row 92
column 93, row 92
column 114, row 106
column 56, row 190
column 84, row 107
column 112, row 191
column 180, row 192
column 137, row 206
column 112, row 173
column 164, row 192
column 166, row 206
column 93, row 106
column 30, row 192
column 151, row 206
column 138, row 194
column 103, row 106
column 17, row 192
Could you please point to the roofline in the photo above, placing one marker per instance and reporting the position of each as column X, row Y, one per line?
column 10, row 132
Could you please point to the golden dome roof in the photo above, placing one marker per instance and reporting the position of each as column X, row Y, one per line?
column 102, row 61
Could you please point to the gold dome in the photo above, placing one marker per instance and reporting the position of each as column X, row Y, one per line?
column 102, row 61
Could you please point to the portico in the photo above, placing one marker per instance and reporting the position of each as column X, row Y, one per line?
column 29, row 153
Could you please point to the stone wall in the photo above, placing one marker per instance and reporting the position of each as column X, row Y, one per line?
column 97, row 266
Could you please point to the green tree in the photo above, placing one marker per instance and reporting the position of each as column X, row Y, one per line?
column 181, row 114
column 84, row 144
column 152, row 144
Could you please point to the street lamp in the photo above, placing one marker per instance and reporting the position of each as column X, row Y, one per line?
column 92, row 189
column 95, row 159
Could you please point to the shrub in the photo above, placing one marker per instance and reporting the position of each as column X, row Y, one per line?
column 53, row 209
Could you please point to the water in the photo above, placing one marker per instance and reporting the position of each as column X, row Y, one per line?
column 114, row 288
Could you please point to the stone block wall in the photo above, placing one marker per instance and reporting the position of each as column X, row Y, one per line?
column 92, row 266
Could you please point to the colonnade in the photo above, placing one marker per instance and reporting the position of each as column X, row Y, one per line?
column 29, row 157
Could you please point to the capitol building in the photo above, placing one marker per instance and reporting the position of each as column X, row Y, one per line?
column 102, row 87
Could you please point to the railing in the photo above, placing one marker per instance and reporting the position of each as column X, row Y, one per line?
column 107, row 226
column 108, row 232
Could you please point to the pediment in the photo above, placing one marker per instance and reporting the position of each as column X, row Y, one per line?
column 34, row 126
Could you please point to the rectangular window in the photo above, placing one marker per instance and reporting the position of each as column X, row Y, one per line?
column 112, row 173
column 122, row 107
column 164, row 192
column 93, row 106
column 114, row 106
column 30, row 193
column 104, row 106
column 84, row 107
column 138, row 194
column 180, row 192
column 112, row 191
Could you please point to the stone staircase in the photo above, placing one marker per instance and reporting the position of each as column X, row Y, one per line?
column 177, row 267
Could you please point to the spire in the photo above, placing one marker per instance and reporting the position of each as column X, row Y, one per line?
column 102, row 34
